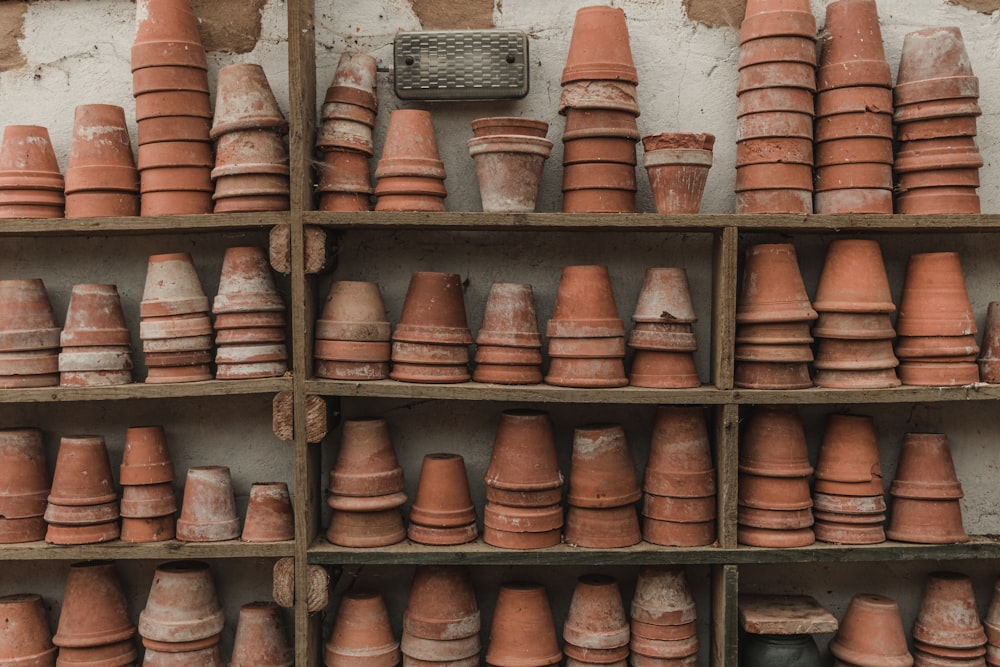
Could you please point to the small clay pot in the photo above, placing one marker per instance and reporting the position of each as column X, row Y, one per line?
column 774, row 125
column 246, row 284
column 599, row 47
column 509, row 169
column 153, row 529
column 208, row 512
column 443, row 499
column 82, row 473
column 662, row 597
column 182, row 605
column 778, row 99
column 524, row 453
column 790, row 74
column 601, row 471
column 26, row 638
column 775, row 201
column 677, row 178
column 584, row 295
column 854, row 279
column 441, row 604
column 774, row 444
column 935, row 301
column 602, row 527
column 366, row 462
column 680, row 459
column 925, row 469
column 244, row 100
column 948, row 616
column 366, row 529
column 773, row 538
column 926, row 521
column 433, row 310
column 523, row 631
column 146, row 459
column 353, row 310
column 596, row 617
column 849, row 452
column 269, row 515
column 774, row 493
column 773, row 290
column 678, row 533
column 871, row 630
column 148, row 501
column 172, row 287
column 361, row 631
column 354, row 81
column 24, row 479
column 94, row 609
column 261, row 637
column 951, row 57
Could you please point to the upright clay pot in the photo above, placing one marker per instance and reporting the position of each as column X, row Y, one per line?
column 509, row 170
column 678, row 171
column 182, row 605
column 25, row 638
column 362, row 633
column 523, row 631
column 94, row 609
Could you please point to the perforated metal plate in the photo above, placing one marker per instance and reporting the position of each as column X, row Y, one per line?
column 461, row 64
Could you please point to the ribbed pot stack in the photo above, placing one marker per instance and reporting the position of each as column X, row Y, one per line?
column 441, row 622
column 94, row 625
column 663, row 618
column 24, row 485
column 352, row 333
column 96, row 345
column 410, row 172
column 82, row 504
column 596, row 630
column 508, row 344
column 148, row 504
column 345, row 135
column 31, row 185
column 442, row 513
column 937, row 102
column 430, row 343
column 600, row 104
column 101, row 178
column 663, row 335
column 775, row 507
column 29, row 335
column 183, row 618
column 774, row 124
column 947, row 627
column 853, row 149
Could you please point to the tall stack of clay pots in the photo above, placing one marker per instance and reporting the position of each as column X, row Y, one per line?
column 871, row 633
column 175, row 328
column 362, row 633
column 989, row 354
column 772, row 316
column 82, row 504
column 25, row 637
column 261, row 637
column 947, row 626
column 31, row 185
column 172, row 110
column 247, row 291
column 937, row 102
column 352, row 333
column 24, row 485
column 677, row 165
column 269, row 516
column 508, row 344
column 663, row 618
column 208, row 511
column 775, row 508
column 96, row 347
column 148, row 503
column 441, row 622
column 596, row 630
column 442, row 513
column 600, row 104
column 523, row 633
column 366, row 487
column 936, row 345
column 926, row 493
column 586, row 335
column 663, row 336
column 774, row 125
column 94, row 625
column 848, row 499
column 679, row 482
column 183, row 618
column 410, row 172
column 523, row 483
column 431, row 340
column 29, row 336
column 853, row 113
column 101, row 178
column 854, row 333
column 603, row 489
column 251, row 161
column 509, row 154
column 345, row 135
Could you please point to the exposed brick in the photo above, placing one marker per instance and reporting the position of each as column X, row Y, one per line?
column 449, row 15
column 232, row 26
column 716, row 13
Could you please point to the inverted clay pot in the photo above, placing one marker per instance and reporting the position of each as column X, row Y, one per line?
column 261, row 638
column 596, row 616
column 989, row 369
column 509, row 318
column 27, row 159
column 442, row 604
column 871, row 632
column 853, row 279
column 773, row 290
column 774, row 443
column 208, row 512
column 354, row 81
column 523, row 632
column 27, row 321
column 935, row 301
column 849, row 451
column 662, row 596
column 932, row 53
column 152, row 529
column 353, row 310
column 774, row 493
column 182, row 605
column 362, row 633
column 94, row 609
column 680, row 459
column 443, row 499
column 509, row 169
column 602, row 527
column 269, row 514
column 83, row 472
column 599, row 47
column 94, row 318
column 366, row 463
column 146, row 459
column 24, row 479
column 244, row 100
column 948, row 616
column 246, row 283
column 601, row 471
column 433, row 310
column 172, row 287
column 366, row 529
column 924, row 521
column 25, row 638
column 585, row 305
column 925, row 469
column 100, row 152
column 524, row 453
column 665, row 297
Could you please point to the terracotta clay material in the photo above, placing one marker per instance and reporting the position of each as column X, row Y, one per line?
column 261, row 636
column 774, row 125
column 27, row 159
column 773, row 290
column 509, row 169
column 935, row 301
column 433, row 310
column 82, row 472
column 366, row 463
column 442, row 499
column 854, row 125
column 586, row 150
column 24, row 479
column 153, row 529
column 524, row 453
column 508, row 539
column 774, row 519
column 596, row 617
column 790, row 74
column 366, row 529
column 244, row 101
column 509, row 125
column 772, row 375
column 926, row 521
column 677, row 178
column 862, row 175
column 504, row 374
column 680, row 461
column 778, row 99
column 246, row 284
column 777, row 539
column 585, row 296
column 854, row 279
column 91, row 533
column 925, row 469
column 94, row 609
column 872, row 630
column 347, row 370
column 441, row 604
column 146, row 459
column 361, row 631
column 182, row 605
column 774, row 493
column 774, row 443
column 599, row 47
column 602, row 527
column 948, row 615
column 353, row 311
column 354, row 81
column 599, row 95
column 208, row 511
column 269, row 514
column 27, row 321
column 854, row 355
column 172, row 287
column 25, row 634
column 598, row 200
column 94, row 318
column 429, row 373
column 989, row 369
column 439, row 650
column 523, row 631
column 849, row 452
column 665, row 370
column 677, row 533
column 791, row 48
column 775, row 201
column 651, row 605
column 845, row 533
column 601, row 472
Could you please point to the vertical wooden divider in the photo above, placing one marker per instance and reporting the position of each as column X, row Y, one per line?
column 725, row 617
column 724, row 277
column 727, row 423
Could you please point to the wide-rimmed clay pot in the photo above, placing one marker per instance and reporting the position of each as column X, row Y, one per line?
column 596, row 617
column 853, row 279
column 442, row 604
column 269, row 515
column 24, row 478
column 524, row 452
column 523, row 631
column 244, row 100
column 82, row 473
column 509, row 125
column 433, row 310
column 509, row 170
column 601, row 470
column 772, row 289
column 182, row 605
column 25, row 638
column 366, row 462
column 602, row 527
column 948, row 616
column 94, row 609
column 774, row 443
column 925, row 468
column 871, row 632
column 599, row 47
column 172, row 287
column 362, row 633
column 443, row 499
column 849, row 451
column 261, row 637
column 680, row 458
column 208, row 512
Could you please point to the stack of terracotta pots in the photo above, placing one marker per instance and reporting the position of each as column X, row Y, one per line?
column 29, row 336
column 25, row 637
column 366, row 487
column 663, row 336
column 83, row 504
column 508, row 345
column 96, row 347
column 937, row 102
column 146, row 474
column 183, row 619
column 101, row 178
column 24, row 485
column 523, row 631
column 246, row 290
column 774, row 125
column 775, row 508
column 362, row 633
column 854, row 332
column 596, row 630
column 31, row 185
column 679, row 483
column 947, row 626
column 172, row 109
column 677, row 165
column 442, row 513
column 269, row 516
column 431, row 340
column 410, row 172
column 352, row 333
column 261, row 637
column 509, row 154
column 600, row 104
column 345, row 135
column 586, row 335
column 663, row 618
column 991, row 623
column 175, row 328
column 871, row 633
column 523, row 483
column 926, row 493
column 208, row 512
column 848, row 501
column 989, row 354
column 772, row 316
column 94, row 625
column 603, row 488
column 853, row 113
column 441, row 622
column 251, row 161
column 936, row 345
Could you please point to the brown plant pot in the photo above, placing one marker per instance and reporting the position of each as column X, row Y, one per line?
column 94, row 318
column 182, row 605
column 662, row 597
column 871, row 630
column 935, row 301
column 25, row 638
column 246, row 284
column 849, row 451
column 680, row 459
column 791, row 48
column 773, row 290
column 269, row 515
column 677, row 178
column 601, row 471
column 354, row 81
column 774, row 493
column 678, row 533
column 208, row 512
column 774, row 443
column 585, row 296
column 366, row 529
column 261, row 637
column 366, row 463
column 790, row 74
column 950, row 57
column 925, row 469
column 948, row 616
column 101, row 139
column 602, row 527
column 83, row 472
column 172, row 287
column 27, row 159
column 433, row 310
column 778, row 99
column 524, row 453
column 94, row 609
column 664, row 370
column 24, row 478
column 509, row 125
column 146, row 459
column 148, row 501
column 353, row 310
column 153, row 529
column 599, row 47
column 852, row 33
column 509, row 169
column 775, row 201
column 244, row 100
column 596, row 617
column 775, row 539
column 362, row 632
column 443, row 499
column 926, row 521
column 442, row 604
column 523, row 632
column 854, row 279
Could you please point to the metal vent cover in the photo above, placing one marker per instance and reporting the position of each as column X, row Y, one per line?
column 461, row 64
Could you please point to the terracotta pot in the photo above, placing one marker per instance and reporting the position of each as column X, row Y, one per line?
column 442, row 604
column 863, row 175
column 938, row 88
column 600, row 94
column 261, row 637
column 663, row 337
column 663, row 632
column 27, row 159
column 576, row 372
column 509, row 125
column 948, row 616
column 523, row 632
column 410, row 134
column 861, row 73
column 787, row 21
column 853, row 126
column 935, row 301
column 509, row 169
column 777, row 99
column 366, row 529
column 344, row 201
column 433, row 310
column 771, row 176
column 792, row 48
column 598, row 200
column 508, row 539
column 599, row 149
column 175, row 154
column 246, row 284
column 209, row 657
column 24, row 480
column 775, row 201
column 854, row 150
column 101, row 152
column 772, row 375
column 599, row 47
column 443, row 499
column 854, row 355
column 91, row 533
column 16, row 531
column 677, row 178
column 598, row 656
column 524, row 498
column 269, row 515
column 774, row 125
column 117, row 653
column 937, row 128
column 146, row 459
column 172, row 103
column 82, row 473
column 775, row 333
column 353, row 310
column 602, row 527
column 926, row 521
column 753, row 517
column 586, row 302
column 596, row 617
column 872, row 630
column 244, row 100
column 773, row 290
column 362, row 632
column 440, row 650
column 678, row 533
column 586, row 348
column 505, row 374
column 169, row 77
column 854, row 326
column 963, row 178
column 344, row 171
column 775, row 539
column 601, row 471
column 94, row 317
column 773, row 353
column 855, row 200
column 935, row 109
column 925, row 469
column 175, row 326
column 849, row 451
column 774, row 443
column 182, row 605
column 774, row 493
column 173, row 128
column 852, row 33
column 101, row 204
column 989, row 369
column 937, row 348
column 429, row 373
column 175, row 202
column 850, row 505
column 854, row 279
column 510, row 519
column 25, row 638
column 790, row 74
column 664, row 370
column 938, row 201
column 524, row 453
column 950, row 59
column 208, row 512
column 680, row 459
column 354, row 81
column 94, row 609
column 662, row 596
column 433, row 354
column 599, row 176
column 509, row 318
column 153, row 529
column 172, row 287
column 148, row 501
column 165, row 20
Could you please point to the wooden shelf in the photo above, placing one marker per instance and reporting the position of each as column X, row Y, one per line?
column 170, row 549
column 139, row 390
column 174, row 224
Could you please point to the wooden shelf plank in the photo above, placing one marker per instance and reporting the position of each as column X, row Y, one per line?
column 170, row 549
column 173, row 224
column 139, row 390
column 974, row 392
